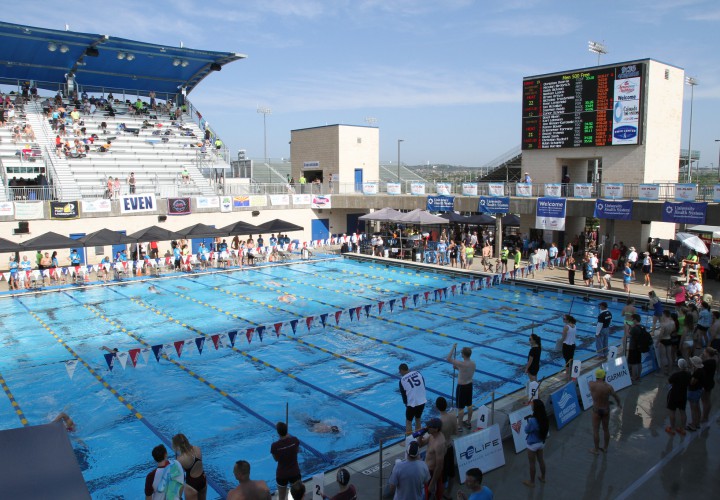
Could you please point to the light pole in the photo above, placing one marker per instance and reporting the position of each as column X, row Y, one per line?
column 399, row 141
column 692, row 82
column 265, row 111
column 718, row 140
column 597, row 48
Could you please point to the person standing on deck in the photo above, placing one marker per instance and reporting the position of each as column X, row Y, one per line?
column 464, row 391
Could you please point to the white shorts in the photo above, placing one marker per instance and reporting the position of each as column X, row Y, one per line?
column 536, row 446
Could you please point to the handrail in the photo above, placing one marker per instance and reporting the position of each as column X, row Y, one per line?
column 197, row 117
column 51, row 173
column 502, row 158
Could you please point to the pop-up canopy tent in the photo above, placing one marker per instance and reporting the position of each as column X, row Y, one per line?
column 238, row 228
column 50, row 240
column 278, row 226
column 154, row 233
column 382, row 215
column 421, row 217
column 105, row 237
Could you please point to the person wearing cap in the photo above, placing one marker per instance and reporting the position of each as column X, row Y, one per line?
column 434, row 458
column 408, row 477
column 628, row 276
column 247, row 488
column 347, row 490
column 647, row 268
column 632, row 257
column 694, row 289
column 412, row 390
column 464, row 391
column 601, row 391
column 677, row 398
column 527, row 179
column 608, row 269
column 694, row 392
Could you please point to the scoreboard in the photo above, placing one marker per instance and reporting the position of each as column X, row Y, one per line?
column 591, row 107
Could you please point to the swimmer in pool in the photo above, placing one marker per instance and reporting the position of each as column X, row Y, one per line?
column 507, row 308
column 180, row 287
column 65, row 419
column 114, row 350
column 152, row 289
column 322, row 427
column 275, row 283
column 287, row 298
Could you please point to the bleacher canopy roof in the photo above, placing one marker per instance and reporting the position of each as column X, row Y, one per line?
column 99, row 62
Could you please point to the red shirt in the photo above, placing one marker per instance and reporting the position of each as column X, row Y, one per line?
column 150, row 479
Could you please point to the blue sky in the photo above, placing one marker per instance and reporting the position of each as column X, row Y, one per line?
column 444, row 76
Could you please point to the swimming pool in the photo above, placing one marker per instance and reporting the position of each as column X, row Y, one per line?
column 228, row 400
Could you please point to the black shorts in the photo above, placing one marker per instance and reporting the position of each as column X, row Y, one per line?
column 634, row 357
column 676, row 403
column 449, row 463
column 675, row 340
column 666, row 342
column 414, row 412
column 646, row 269
column 463, row 394
column 568, row 351
column 287, row 481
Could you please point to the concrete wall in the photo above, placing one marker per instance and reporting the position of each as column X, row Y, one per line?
column 359, row 148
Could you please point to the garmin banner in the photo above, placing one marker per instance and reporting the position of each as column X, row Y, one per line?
column 494, row 205
column 613, row 209
column 483, row 450
column 583, row 190
column 550, row 214
column 566, row 405
column 440, row 203
column 685, row 212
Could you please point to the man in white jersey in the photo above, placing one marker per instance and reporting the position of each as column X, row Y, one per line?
column 412, row 389
column 463, row 395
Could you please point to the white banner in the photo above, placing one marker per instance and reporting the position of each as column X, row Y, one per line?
column 302, row 199
column 517, row 426
column 649, row 192
column 583, row 190
column 226, row 203
column 318, row 487
column 6, row 208
column 469, row 189
column 207, row 202
column 618, row 375
column 138, row 203
column 27, row 210
column 96, row 206
column 258, row 200
column 716, row 193
column 496, row 189
column 483, row 450
column 279, row 199
column 553, row 190
column 321, row 201
column 444, row 188
column 613, row 191
column 417, row 188
column 522, row 189
column 582, row 382
column 370, row 188
column 483, row 417
column 685, row 192
column 394, row 188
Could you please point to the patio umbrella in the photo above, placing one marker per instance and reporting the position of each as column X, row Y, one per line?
column 511, row 220
column 154, row 233
column 9, row 246
column 482, row 220
column 692, row 242
column 49, row 240
column 105, row 237
column 278, row 226
column 382, row 215
column 454, row 217
column 200, row 231
column 238, row 228
column 422, row 217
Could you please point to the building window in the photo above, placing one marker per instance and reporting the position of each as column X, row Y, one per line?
column 359, row 140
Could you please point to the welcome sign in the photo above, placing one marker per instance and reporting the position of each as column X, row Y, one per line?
column 550, row 214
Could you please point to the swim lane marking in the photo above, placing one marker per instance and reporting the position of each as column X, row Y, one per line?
column 16, row 406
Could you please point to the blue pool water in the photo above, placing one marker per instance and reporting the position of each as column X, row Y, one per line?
column 228, row 400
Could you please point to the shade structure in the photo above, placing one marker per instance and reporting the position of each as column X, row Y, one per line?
column 278, row 226
column 239, row 227
column 8, row 246
column 714, row 230
column 105, row 237
column 154, row 233
column 382, row 215
column 692, row 242
column 511, row 220
column 481, row 220
column 422, row 217
column 200, row 231
column 454, row 217
column 49, row 240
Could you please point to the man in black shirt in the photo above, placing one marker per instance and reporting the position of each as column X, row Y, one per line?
column 602, row 331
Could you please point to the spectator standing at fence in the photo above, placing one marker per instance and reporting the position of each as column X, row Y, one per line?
column 116, row 188
column 131, row 182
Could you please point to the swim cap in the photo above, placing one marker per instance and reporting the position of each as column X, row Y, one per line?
column 343, row 477
column 599, row 373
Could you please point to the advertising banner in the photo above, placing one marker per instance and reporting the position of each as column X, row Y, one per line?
column 613, row 191
column 494, row 205
column 226, row 203
column 26, row 210
column 685, row 192
column 444, row 188
column 394, row 188
column 626, row 112
column 550, row 214
column 301, row 199
column 64, row 210
column 440, row 203
column 279, row 199
column 517, row 426
column 716, row 193
column 553, row 190
column 565, row 404
column 496, row 189
column 469, row 189
column 207, row 202
column 522, row 189
column 685, row 212
column 178, row 206
column 417, row 188
column 582, row 190
column 649, row 362
column 370, row 188
column 617, row 373
column 258, row 200
column 321, row 201
column 583, row 380
column 138, row 203
column 649, row 192
column 96, row 206
column 613, row 209
column 481, row 449
column 6, row 208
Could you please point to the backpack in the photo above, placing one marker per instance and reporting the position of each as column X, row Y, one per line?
column 644, row 340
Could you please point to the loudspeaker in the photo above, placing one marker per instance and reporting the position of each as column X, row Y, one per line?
column 92, row 52
column 215, row 67
column 255, row 213
column 23, row 228
column 162, row 218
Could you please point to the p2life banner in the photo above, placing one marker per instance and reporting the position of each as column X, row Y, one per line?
column 613, row 209
column 550, row 214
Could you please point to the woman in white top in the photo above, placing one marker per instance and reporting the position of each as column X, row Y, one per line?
column 568, row 342
column 647, row 268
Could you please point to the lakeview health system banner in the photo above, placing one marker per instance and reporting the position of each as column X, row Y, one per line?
column 685, row 212
column 613, row 209
column 494, row 205
column 440, row 203
column 550, row 214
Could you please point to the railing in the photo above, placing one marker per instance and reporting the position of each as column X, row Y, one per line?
column 197, row 117
column 31, row 193
column 51, row 172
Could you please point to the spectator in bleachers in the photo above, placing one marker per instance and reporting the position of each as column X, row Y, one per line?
column 105, row 147
column 116, row 188
column 109, row 191
column 152, row 100
column 185, row 176
column 218, row 143
column 131, row 182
